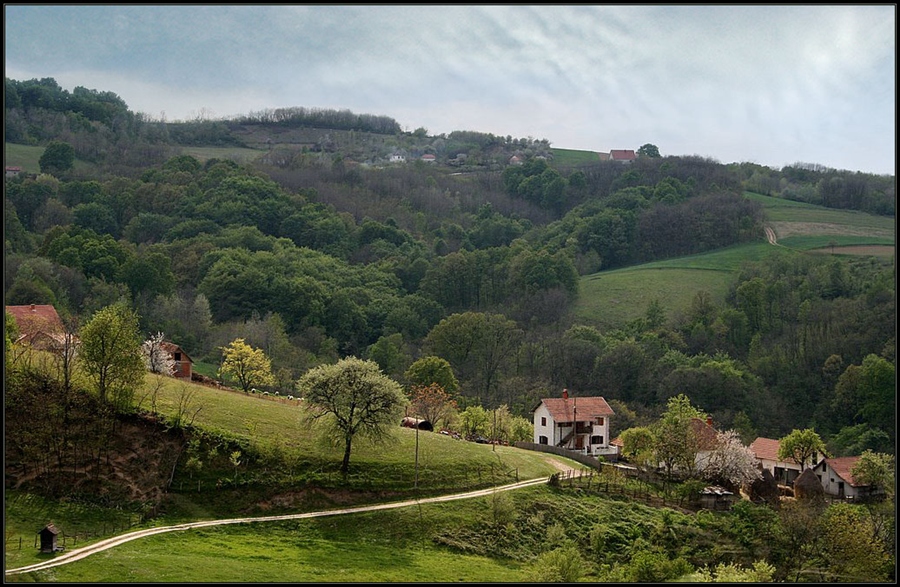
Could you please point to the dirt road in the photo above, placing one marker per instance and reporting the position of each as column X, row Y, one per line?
column 80, row 553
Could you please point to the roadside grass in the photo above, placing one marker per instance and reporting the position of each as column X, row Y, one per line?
column 285, row 468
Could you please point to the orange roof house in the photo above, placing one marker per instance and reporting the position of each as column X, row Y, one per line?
column 574, row 423
column 183, row 363
column 39, row 326
column 622, row 155
column 784, row 471
column 838, row 481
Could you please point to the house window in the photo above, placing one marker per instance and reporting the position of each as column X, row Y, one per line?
column 177, row 356
column 542, row 440
column 600, row 421
column 596, row 440
column 543, row 421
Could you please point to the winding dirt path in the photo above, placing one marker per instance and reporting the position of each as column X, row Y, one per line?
column 80, row 553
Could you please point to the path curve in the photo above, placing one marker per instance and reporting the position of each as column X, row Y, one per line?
column 80, row 553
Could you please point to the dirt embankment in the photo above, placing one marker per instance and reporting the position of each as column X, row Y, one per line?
column 136, row 465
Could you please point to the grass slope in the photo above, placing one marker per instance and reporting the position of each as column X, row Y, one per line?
column 611, row 299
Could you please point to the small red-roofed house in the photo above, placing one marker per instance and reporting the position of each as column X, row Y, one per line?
column 834, row 473
column 575, row 423
column 40, row 327
column 622, row 155
column 784, row 472
column 183, row 363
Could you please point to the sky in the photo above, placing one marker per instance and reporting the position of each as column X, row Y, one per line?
column 774, row 85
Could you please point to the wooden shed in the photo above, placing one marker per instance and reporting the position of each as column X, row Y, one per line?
column 714, row 497
column 48, row 538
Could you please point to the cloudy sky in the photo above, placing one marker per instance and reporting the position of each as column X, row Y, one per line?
column 774, row 85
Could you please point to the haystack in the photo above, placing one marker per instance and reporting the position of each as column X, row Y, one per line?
column 808, row 487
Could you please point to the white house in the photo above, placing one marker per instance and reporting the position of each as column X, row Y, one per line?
column 837, row 480
column 784, row 472
column 397, row 158
column 575, row 423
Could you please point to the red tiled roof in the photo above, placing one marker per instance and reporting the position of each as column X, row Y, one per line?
column 587, row 408
column 36, row 318
column 622, row 154
column 842, row 467
column 172, row 348
column 767, row 449
column 706, row 434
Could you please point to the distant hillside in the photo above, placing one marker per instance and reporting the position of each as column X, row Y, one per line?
column 612, row 299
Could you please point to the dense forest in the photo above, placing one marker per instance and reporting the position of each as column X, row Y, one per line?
column 320, row 250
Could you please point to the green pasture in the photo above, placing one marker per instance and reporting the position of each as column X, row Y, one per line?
column 23, row 156
column 573, row 157
column 274, row 427
column 781, row 210
column 611, row 299
column 236, row 154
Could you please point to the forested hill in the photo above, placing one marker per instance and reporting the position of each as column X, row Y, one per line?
column 318, row 246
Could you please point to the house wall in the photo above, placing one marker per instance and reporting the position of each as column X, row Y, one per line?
column 783, row 472
column 832, row 483
column 182, row 369
column 549, row 430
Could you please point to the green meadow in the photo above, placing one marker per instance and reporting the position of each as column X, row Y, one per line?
column 611, row 299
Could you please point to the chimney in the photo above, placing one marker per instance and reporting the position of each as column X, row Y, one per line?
column 32, row 308
column 565, row 393
column 709, row 421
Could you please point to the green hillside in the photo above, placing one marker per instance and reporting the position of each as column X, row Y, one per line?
column 611, row 299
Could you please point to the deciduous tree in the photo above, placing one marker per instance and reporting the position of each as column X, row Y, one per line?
column 111, row 353
column 434, row 404
column 432, row 370
column 250, row 366
column 57, row 157
column 354, row 399
column 800, row 446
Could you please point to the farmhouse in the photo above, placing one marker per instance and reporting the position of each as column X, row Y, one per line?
column 39, row 326
column 578, row 423
column 838, row 481
column 784, row 472
column 183, row 363
column 622, row 155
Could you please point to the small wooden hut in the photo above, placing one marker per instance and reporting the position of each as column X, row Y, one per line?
column 48, row 538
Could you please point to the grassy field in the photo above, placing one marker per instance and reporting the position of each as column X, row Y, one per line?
column 236, row 154
column 573, row 157
column 23, row 156
column 406, row 465
column 611, row 299
column 481, row 540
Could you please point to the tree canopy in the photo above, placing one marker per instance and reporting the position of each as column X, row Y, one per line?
column 353, row 398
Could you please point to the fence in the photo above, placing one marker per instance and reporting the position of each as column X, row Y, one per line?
column 63, row 539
